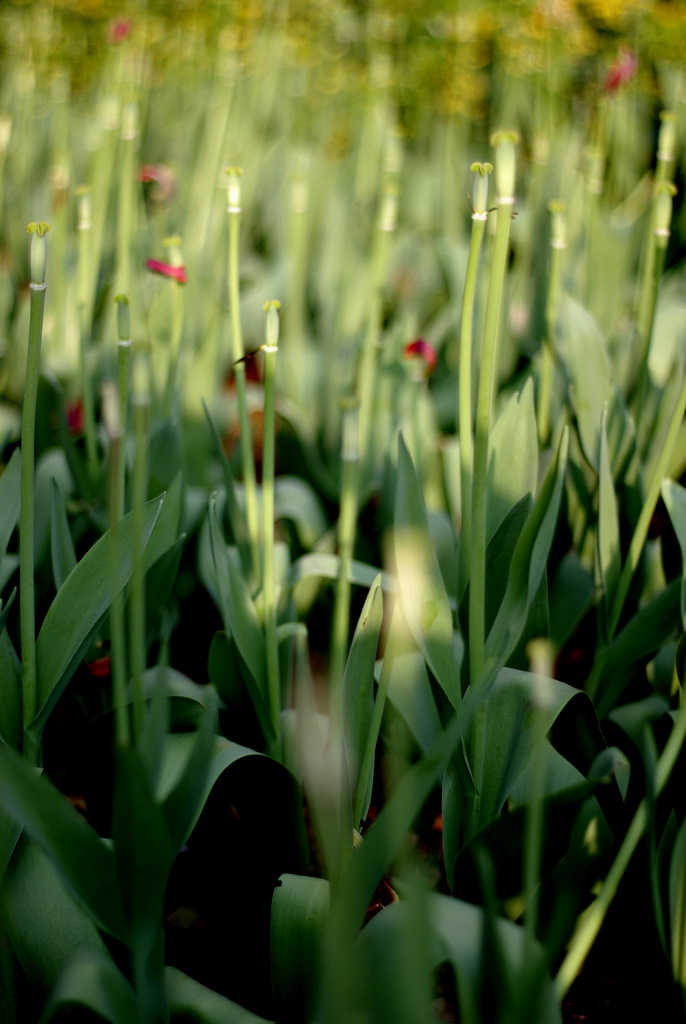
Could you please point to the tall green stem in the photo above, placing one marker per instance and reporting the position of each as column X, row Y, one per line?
column 141, row 406
column 505, row 180
column 479, row 215
column 558, row 243
column 350, row 461
column 28, row 456
column 271, row 349
column 248, row 462
column 85, row 311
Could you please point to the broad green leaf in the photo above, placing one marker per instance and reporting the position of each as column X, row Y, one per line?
column 165, row 532
column 80, row 604
column 165, row 457
column 241, row 622
column 159, row 583
column 10, row 830
column 42, row 918
column 10, row 499
column 512, row 457
column 674, row 497
column 86, row 863
column 410, row 693
column 519, row 708
column 295, row 499
column 423, row 594
column 144, row 854
column 581, row 348
column 183, row 804
column 10, row 693
column 571, row 594
column 91, row 979
column 300, row 907
column 637, row 643
column 192, row 1003
column 358, row 684
column 608, row 549
column 457, row 929
column 327, row 566
column 61, row 543
column 528, row 562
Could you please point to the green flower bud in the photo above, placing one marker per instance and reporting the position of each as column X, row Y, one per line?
column 480, row 189
column 234, row 176
column 558, row 231
column 666, row 140
column 123, row 319
column 39, row 251
column 272, row 308
column 664, row 195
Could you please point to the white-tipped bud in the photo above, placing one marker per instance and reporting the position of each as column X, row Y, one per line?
column 84, row 221
column 505, row 166
column 666, row 140
column 234, row 187
column 388, row 216
column 110, row 410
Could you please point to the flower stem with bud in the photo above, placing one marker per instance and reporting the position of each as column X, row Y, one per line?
column 271, row 349
column 558, row 242
column 505, row 182
column 247, row 458
column 27, row 606
column 479, row 216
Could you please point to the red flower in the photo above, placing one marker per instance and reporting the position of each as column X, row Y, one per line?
column 622, row 71
column 75, row 418
column 119, row 29
column 423, row 355
column 166, row 269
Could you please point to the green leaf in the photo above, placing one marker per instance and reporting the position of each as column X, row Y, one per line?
column 296, row 500
column 300, row 908
column 423, row 594
column 91, row 979
column 327, row 566
column 241, row 622
column 677, row 907
column 82, row 857
column 637, row 643
column 512, row 457
column 61, row 543
column 43, row 920
column 570, row 598
column 674, row 497
column 584, row 357
column 239, row 530
column 10, row 499
column 528, row 562
column 608, row 549
column 358, row 686
column 10, row 693
column 79, row 607
column 193, row 1003
column 512, row 728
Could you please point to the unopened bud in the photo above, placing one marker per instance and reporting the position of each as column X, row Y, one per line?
column 480, row 189
column 39, row 251
column 558, row 230
column 123, row 319
column 234, row 176
column 664, row 194
column 272, row 308
column 505, row 166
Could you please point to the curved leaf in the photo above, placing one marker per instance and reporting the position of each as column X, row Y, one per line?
column 512, row 457
column 91, row 979
column 358, row 686
column 193, row 1003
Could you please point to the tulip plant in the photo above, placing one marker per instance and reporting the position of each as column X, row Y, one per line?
column 344, row 680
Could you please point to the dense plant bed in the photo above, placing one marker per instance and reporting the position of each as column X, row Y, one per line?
column 342, row 514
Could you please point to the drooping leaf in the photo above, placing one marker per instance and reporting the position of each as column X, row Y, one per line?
column 296, row 500
column 327, row 566
column 91, row 979
column 86, row 863
column 424, row 597
column 193, row 1003
column 512, row 457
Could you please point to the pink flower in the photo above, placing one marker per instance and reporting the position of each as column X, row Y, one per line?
column 162, row 181
column 119, row 29
column 423, row 356
column 622, row 71
column 166, row 269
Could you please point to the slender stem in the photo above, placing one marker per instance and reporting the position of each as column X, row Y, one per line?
column 174, row 245
column 28, row 456
column 85, row 309
column 141, row 405
column 268, row 469
column 125, row 218
column 248, row 462
column 477, row 574
column 113, row 425
column 558, row 242
column 350, row 461
column 479, row 216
